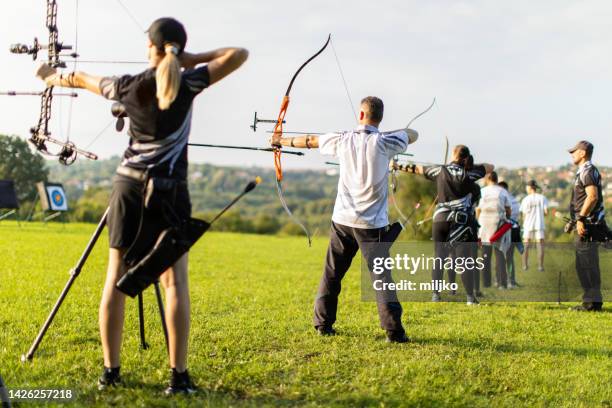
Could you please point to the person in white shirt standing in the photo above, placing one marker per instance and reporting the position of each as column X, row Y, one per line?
column 361, row 210
column 533, row 209
column 492, row 210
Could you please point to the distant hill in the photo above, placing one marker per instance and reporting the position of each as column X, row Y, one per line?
column 309, row 194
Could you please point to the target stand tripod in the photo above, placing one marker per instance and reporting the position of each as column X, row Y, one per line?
column 74, row 273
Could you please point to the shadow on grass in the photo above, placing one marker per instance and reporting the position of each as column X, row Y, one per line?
column 130, row 392
column 512, row 348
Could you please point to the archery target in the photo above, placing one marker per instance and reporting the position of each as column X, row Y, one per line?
column 57, row 198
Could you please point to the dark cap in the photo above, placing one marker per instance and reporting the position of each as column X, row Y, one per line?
column 533, row 184
column 167, row 30
column 583, row 145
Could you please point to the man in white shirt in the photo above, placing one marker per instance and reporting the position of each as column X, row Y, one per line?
column 360, row 213
column 533, row 208
column 493, row 208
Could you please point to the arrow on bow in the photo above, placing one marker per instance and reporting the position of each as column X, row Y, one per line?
column 278, row 132
column 259, row 149
column 118, row 111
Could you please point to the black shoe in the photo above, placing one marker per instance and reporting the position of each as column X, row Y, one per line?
column 110, row 378
column 580, row 308
column 397, row 337
column 180, row 383
column 588, row 307
column 326, row 331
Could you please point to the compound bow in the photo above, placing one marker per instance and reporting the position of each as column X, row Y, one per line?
column 40, row 133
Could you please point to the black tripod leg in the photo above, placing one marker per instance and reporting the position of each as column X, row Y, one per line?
column 74, row 273
column 4, row 398
column 160, row 305
column 143, row 342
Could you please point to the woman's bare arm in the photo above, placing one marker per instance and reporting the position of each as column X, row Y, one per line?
column 79, row 79
column 221, row 62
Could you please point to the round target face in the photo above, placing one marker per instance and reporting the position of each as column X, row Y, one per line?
column 57, row 198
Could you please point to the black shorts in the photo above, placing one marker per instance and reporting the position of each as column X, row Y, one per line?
column 126, row 211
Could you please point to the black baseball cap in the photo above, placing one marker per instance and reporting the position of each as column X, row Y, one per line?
column 167, row 30
column 583, row 145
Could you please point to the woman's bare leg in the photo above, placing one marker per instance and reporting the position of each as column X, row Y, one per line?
column 176, row 286
column 112, row 308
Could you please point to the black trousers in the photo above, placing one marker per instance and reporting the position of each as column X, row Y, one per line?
column 500, row 267
column 587, row 268
column 440, row 233
column 343, row 246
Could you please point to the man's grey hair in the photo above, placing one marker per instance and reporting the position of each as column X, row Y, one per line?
column 374, row 108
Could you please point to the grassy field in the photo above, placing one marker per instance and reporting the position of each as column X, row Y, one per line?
column 252, row 343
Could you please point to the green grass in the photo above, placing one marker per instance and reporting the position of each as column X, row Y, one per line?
column 252, row 343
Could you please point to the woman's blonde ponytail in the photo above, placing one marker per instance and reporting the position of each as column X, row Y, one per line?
column 168, row 76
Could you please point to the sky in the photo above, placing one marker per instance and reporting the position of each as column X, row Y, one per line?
column 518, row 82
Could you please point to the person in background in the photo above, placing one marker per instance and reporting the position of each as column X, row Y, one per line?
column 533, row 209
column 493, row 209
column 360, row 216
column 588, row 212
column 515, row 233
column 453, row 223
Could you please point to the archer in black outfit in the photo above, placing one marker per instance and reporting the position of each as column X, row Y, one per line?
column 453, row 221
column 158, row 102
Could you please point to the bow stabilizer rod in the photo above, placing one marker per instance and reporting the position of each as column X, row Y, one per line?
column 19, row 93
column 257, row 120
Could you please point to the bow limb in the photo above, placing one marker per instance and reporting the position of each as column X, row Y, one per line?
column 422, row 113
column 394, row 182
column 278, row 133
column 393, row 190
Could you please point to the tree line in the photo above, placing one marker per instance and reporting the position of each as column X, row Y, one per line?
column 310, row 194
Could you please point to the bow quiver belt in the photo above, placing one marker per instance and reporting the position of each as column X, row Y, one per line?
column 171, row 245
column 148, row 258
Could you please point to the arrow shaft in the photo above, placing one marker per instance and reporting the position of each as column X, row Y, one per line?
column 260, row 149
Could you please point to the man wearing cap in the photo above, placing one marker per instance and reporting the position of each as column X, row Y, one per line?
column 533, row 209
column 587, row 210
